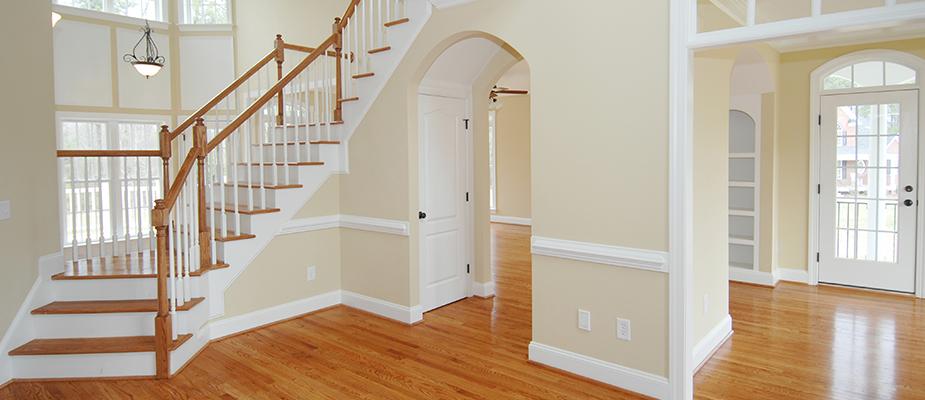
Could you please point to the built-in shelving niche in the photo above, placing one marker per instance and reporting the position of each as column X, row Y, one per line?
column 743, row 182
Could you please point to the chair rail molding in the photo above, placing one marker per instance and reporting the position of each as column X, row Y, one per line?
column 389, row 226
column 650, row 260
column 441, row 4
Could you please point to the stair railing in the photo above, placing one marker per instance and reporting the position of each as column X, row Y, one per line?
column 230, row 163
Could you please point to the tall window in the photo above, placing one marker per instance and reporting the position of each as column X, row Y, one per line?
column 205, row 12
column 144, row 9
column 492, row 170
column 106, row 198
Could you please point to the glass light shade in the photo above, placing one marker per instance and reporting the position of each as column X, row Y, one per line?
column 148, row 69
column 55, row 17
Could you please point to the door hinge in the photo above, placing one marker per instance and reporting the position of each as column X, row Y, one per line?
column 467, row 268
column 467, row 123
column 817, row 257
column 820, row 120
column 467, row 197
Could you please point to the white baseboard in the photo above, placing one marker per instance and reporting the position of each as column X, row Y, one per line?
column 485, row 289
column 751, row 276
column 400, row 313
column 613, row 374
column 229, row 326
column 793, row 275
column 710, row 343
column 501, row 219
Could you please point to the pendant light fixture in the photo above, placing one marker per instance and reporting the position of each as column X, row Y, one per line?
column 152, row 62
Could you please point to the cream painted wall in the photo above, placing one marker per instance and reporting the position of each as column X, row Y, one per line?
column 27, row 112
column 794, row 126
column 712, row 71
column 513, row 157
column 622, row 139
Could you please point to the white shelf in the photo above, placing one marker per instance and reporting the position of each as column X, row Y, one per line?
column 742, row 266
column 741, row 155
column 742, row 184
column 741, row 213
column 741, row 241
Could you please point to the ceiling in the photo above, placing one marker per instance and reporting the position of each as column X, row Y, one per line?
column 518, row 77
column 462, row 63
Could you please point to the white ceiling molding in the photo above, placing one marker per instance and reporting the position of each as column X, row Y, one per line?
column 441, row 4
column 736, row 9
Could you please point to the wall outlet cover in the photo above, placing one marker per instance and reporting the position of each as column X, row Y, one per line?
column 624, row 329
column 584, row 320
column 5, row 212
column 312, row 273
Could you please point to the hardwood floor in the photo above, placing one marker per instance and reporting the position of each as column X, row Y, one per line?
column 473, row 349
column 804, row 342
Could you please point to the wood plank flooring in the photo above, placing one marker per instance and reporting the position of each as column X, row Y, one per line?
column 471, row 349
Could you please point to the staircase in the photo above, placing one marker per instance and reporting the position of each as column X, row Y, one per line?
column 139, row 286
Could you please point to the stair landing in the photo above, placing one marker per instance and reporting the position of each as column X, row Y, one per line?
column 133, row 265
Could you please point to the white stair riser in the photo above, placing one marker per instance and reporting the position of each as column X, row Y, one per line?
column 244, row 196
column 314, row 133
column 304, row 152
column 112, row 289
column 268, row 174
column 94, row 325
column 231, row 222
column 84, row 365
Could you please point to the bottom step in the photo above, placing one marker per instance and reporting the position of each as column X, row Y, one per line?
column 129, row 344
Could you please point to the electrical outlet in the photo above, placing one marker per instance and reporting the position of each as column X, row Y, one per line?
column 584, row 320
column 706, row 304
column 5, row 212
column 312, row 273
column 624, row 329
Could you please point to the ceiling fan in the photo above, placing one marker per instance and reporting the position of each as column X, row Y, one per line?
column 497, row 91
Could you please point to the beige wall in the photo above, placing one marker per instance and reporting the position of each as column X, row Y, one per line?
column 794, row 127
column 613, row 136
column 512, row 157
column 712, row 71
column 27, row 156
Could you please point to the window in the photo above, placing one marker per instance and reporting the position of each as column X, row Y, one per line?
column 870, row 74
column 107, row 198
column 205, row 12
column 492, row 170
column 144, row 9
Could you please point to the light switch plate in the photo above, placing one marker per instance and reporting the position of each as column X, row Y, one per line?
column 312, row 273
column 624, row 329
column 5, row 212
column 584, row 320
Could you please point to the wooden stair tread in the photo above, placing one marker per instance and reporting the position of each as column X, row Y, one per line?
column 231, row 236
column 397, row 22
column 107, row 307
column 107, row 345
column 281, row 164
column 364, row 75
column 380, row 49
column 268, row 187
column 134, row 266
column 255, row 211
column 301, row 142
column 349, row 99
column 293, row 126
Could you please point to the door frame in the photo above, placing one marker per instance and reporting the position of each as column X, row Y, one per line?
column 816, row 93
column 464, row 94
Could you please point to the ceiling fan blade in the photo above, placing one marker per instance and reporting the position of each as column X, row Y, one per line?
column 510, row 91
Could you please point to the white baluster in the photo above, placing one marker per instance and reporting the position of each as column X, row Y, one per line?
column 138, row 204
column 74, row 206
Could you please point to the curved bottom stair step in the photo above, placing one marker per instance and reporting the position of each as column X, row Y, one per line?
column 127, row 344
column 107, row 307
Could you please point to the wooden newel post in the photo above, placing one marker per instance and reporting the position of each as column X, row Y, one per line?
column 205, row 232
column 163, row 326
column 165, row 157
column 338, row 54
column 280, row 57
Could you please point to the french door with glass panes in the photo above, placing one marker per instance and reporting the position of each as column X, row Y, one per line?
column 868, row 162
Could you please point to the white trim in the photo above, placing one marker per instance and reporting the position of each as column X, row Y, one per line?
column 398, row 312
column 230, row 326
column 441, row 4
column 438, row 88
column 501, row 219
column 613, row 374
column 205, row 28
column 484, row 290
column 752, row 276
column 389, row 226
column 111, row 17
column 853, row 20
column 816, row 92
column 651, row 260
column 707, row 346
column 793, row 275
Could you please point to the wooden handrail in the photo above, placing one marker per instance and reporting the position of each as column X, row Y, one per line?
column 273, row 91
column 108, row 153
column 295, row 47
column 182, row 175
column 348, row 14
column 221, row 96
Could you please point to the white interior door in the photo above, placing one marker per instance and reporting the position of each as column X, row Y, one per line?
column 444, row 275
column 868, row 165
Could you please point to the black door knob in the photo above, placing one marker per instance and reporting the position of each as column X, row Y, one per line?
column 422, row 215
column 908, row 188
column 908, row 203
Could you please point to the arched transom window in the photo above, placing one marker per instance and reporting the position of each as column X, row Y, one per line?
column 870, row 74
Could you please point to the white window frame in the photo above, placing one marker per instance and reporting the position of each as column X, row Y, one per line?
column 112, row 122
column 183, row 14
column 161, row 22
